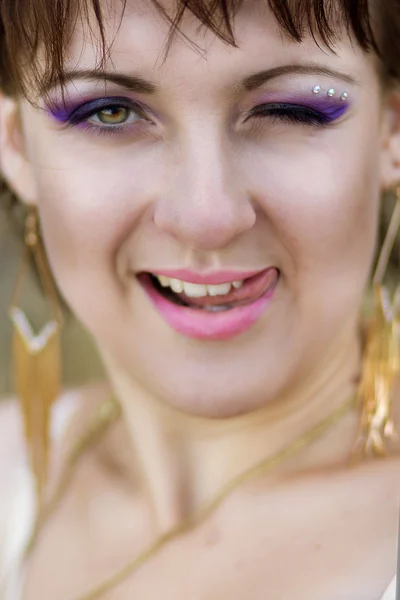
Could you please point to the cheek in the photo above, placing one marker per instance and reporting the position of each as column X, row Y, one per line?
column 322, row 199
column 90, row 201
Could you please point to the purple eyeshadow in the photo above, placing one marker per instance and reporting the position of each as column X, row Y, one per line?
column 330, row 110
column 78, row 111
column 63, row 112
column 60, row 114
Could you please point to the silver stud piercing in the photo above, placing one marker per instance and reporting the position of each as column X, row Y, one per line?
column 331, row 93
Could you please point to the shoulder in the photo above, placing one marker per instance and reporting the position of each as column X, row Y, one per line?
column 68, row 416
column 70, row 411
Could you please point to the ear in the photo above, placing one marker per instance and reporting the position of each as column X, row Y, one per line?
column 15, row 168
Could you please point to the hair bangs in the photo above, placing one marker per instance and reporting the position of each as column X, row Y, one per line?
column 33, row 28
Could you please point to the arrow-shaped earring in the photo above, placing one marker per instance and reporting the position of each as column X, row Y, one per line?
column 36, row 358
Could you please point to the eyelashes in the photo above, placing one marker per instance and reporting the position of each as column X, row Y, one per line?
column 299, row 114
column 110, row 116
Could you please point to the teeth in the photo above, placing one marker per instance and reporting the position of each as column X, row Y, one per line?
column 164, row 281
column 194, row 290
column 176, row 286
column 219, row 290
column 197, row 290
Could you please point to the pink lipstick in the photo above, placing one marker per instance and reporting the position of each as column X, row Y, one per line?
column 209, row 317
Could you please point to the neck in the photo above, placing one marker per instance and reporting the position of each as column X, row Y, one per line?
column 184, row 460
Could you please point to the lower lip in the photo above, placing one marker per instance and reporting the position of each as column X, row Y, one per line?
column 203, row 325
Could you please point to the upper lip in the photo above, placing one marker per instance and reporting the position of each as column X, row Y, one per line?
column 213, row 278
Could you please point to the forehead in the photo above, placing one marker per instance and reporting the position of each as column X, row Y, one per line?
column 137, row 36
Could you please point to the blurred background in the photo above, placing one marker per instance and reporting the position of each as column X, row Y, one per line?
column 80, row 361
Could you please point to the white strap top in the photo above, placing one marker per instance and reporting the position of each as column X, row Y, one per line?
column 20, row 506
column 390, row 593
column 17, row 501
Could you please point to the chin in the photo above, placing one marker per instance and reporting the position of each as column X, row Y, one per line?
column 214, row 380
column 220, row 404
column 220, row 394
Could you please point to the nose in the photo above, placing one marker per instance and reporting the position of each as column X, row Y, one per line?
column 205, row 206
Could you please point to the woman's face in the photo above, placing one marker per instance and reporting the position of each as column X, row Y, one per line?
column 225, row 164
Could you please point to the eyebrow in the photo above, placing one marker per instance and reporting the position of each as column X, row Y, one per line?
column 129, row 82
column 258, row 79
column 250, row 83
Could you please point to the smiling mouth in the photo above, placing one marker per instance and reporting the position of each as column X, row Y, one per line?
column 212, row 298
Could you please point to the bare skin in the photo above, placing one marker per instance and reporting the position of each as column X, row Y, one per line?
column 314, row 528
column 199, row 185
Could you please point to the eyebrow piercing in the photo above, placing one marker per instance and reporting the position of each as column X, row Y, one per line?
column 317, row 89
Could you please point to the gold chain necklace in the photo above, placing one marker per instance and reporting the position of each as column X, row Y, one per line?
column 109, row 412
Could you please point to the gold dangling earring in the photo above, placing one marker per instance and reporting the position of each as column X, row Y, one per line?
column 381, row 358
column 36, row 358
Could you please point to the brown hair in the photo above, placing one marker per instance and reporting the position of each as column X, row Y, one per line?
column 27, row 26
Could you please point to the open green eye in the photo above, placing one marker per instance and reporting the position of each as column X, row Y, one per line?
column 116, row 115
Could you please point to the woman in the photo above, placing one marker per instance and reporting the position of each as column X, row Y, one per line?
column 209, row 198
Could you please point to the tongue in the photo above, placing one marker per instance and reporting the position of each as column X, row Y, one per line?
column 252, row 289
